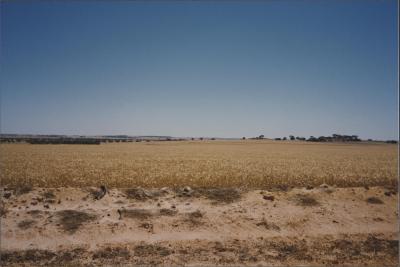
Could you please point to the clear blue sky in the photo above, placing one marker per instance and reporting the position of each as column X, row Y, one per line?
column 224, row 69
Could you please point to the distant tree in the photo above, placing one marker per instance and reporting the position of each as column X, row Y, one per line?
column 291, row 137
column 244, row 138
column 284, row 138
column 213, row 138
column 278, row 139
column 261, row 136
column 312, row 139
column 201, row 138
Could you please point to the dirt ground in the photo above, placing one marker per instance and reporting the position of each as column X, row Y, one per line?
column 199, row 227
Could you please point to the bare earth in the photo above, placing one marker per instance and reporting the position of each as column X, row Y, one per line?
column 200, row 227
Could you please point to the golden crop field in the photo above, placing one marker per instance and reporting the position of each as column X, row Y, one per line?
column 247, row 164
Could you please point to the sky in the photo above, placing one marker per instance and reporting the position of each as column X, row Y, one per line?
column 200, row 68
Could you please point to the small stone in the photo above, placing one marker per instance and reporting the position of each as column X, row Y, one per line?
column 173, row 207
column 46, row 206
column 271, row 198
column 34, row 203
column 164, row 190
column 7, row 195
column 388, row 193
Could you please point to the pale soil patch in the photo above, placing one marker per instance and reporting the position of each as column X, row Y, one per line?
column 296, row 227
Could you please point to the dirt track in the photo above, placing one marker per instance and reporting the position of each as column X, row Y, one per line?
column 324, row 225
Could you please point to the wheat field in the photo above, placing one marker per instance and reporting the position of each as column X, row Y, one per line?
column 244, row 163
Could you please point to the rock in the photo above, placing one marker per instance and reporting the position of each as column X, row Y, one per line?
column 187, row 189
column 324, row 186
column 46, row 206
column 165, row 190
column 309, row 187
column 185, row 192
column 271, row 198
column 388, row 193
column 120, row 214
column 7, row 195
column 100, row 194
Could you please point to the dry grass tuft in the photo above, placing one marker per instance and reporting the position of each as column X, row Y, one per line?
column 305, row 200
column 136, row 193
column 30, row 255
column 26, row 224
column 268, row 225
column 111, row 253
column 140, row 214
column 168, row 212
column 374, row 200
column 49, row 195
column 71, row 220
column 148, row 250
column 194, row 218
column 221, row 195
column 3, row 210
column 22, row 189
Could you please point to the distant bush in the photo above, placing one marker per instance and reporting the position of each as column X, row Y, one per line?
column 84, row 141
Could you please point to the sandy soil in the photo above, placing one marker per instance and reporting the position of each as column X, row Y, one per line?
column 314, row 226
